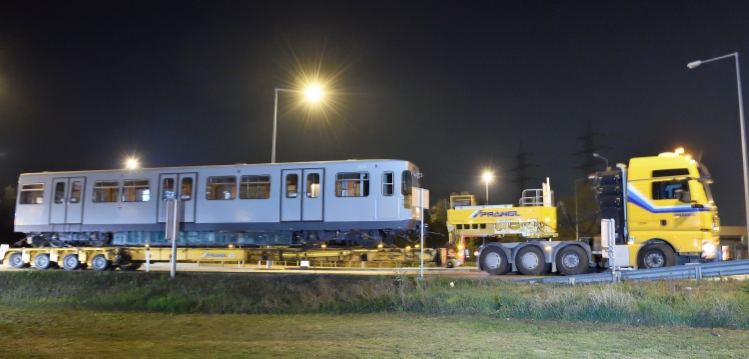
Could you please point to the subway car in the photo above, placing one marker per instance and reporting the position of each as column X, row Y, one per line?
column 354, row 202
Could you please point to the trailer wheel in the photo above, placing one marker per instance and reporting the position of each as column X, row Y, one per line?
column 71, row 262
column 42, row 261
column 100, row 263
column 131, row 266
column 15, row 260
column 572, row 260
column 530, row 261
column 494, row 261
column 656, row 255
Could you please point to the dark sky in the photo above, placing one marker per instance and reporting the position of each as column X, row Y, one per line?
column 452, row 86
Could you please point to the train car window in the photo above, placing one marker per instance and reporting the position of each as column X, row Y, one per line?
column 60, row 192
column 387, row 183
column 352, row 184
column 32, row 193
column 136, row 191
column 254, row 187
column 292, row 185
column 167, row 189
column 313, row 185
column 106, row 191
column 222, row 188
column 186, row 193
column 406, row 183
column 75, row 192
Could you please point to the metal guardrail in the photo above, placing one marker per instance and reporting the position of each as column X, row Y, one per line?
column 689, row 271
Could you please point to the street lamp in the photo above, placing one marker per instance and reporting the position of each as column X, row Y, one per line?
column 603, row 158
column 131, row 163
column 487, row 178
column 694, row 64
column 313, row 93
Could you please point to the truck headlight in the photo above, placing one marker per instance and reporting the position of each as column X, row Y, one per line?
column 708, row 249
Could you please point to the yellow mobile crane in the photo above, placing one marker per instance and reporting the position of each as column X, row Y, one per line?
column 656, row 212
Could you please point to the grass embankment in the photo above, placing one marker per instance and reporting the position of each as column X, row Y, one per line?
column 83, row 333
column 702, row 304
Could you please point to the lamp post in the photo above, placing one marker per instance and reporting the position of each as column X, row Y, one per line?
column 694, row 64
column 603, row 158
column 313, row 93
column 487, row 179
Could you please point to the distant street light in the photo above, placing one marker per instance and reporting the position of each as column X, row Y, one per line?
column 694, row 64
column 487, row 178
column 313, row 93
column 603, row 158
column 132, row 163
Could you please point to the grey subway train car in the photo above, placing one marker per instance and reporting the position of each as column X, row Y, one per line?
column 363, row 202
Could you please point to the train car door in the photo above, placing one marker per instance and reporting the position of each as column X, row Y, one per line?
column 312, row 198
column 291, row 198
column 67, row 205
column 178, row 185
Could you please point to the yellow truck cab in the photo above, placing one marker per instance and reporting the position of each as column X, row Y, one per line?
column 670, row 214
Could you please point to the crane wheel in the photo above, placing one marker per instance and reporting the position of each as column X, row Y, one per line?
column 494, row 261
column 530, row 261
column 572, row 260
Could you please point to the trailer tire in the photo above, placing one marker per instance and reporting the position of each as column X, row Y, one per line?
column 656, row 255
column 530, row 260
column 42, row 261
column 100, row 263
column 494, row 261
column 71, row 262
column 130, row 266
column 15, row 260
column 572, row 260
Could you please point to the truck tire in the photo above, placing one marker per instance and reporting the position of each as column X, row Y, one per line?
column 42, row 261
column 15, row 260
column 572, row 260
column 656, row 255
column 131, row 266
column 100, row 263
column 71, row 262
column 530, row 261
column 494, row 261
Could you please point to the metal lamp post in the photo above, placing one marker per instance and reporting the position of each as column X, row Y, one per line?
column 487, row 178
column 694, row 64
column 603, row 158
column 314, row 93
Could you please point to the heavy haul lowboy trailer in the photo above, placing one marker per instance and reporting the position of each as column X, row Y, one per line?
column 131, row 258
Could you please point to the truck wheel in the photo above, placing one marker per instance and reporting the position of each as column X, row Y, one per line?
column 530, row 261
column 100, row 263
column 71, row 262
column 494, row 261
column 15, row 260
column 572, row 260
column 656, row 255
column 42, row 261
column 131, row 266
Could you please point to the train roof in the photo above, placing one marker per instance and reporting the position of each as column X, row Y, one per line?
column 218, row 166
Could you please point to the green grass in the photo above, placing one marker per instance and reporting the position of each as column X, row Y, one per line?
column 682, row 303
column 43, row 332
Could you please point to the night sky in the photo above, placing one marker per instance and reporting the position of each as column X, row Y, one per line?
column 451, row 86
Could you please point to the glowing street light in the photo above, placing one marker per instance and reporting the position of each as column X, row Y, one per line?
column 487, row 178
column 313, row 93
column 132, row 163
column 694, row 64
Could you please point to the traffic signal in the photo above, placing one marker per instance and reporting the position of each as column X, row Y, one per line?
column 610, row 196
